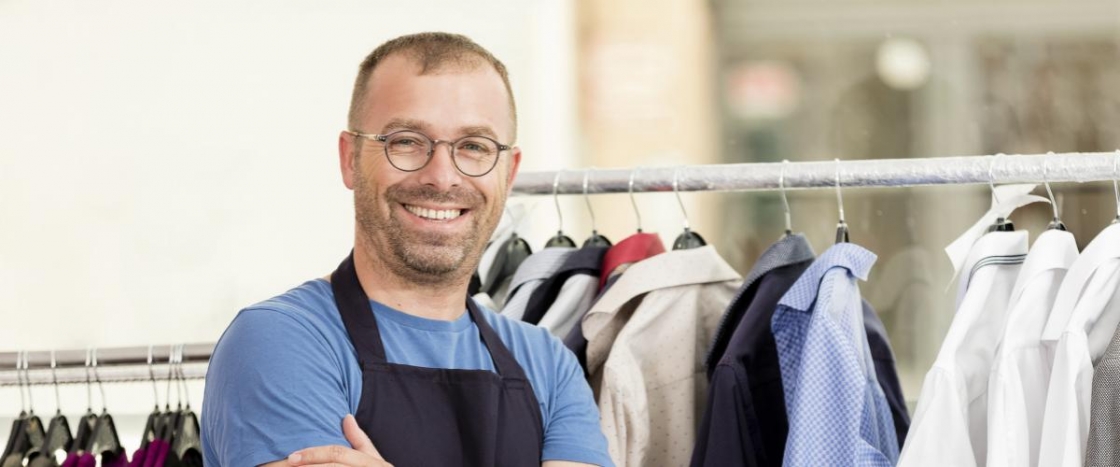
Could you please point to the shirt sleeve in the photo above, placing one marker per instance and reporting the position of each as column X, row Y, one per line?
column 274, row 386
column 572, row 431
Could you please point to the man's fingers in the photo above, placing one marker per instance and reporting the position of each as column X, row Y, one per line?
column 333, row 455
column 358, row 438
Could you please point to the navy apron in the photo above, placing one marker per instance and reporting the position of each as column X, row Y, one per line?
column 439, row 417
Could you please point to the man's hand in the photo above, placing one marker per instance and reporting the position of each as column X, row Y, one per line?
column 363, row 453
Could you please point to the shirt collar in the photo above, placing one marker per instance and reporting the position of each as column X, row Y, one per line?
column 850, row 256
column 1105, row 247
column 588, row 258
column 633, row 249
column 539, row 266
column 987, row 250
column 1053, row 249
column 789, row 250
column 673, row 269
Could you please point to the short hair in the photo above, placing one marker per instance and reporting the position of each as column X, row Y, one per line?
column 433, row 51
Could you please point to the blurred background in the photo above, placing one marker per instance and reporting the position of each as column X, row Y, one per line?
column 165, row 164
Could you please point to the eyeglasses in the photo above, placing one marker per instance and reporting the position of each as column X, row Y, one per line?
column 409, row 151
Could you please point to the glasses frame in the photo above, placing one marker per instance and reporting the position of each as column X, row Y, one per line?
column 432, row 149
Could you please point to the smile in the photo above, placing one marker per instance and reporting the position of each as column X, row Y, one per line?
column 434, row 214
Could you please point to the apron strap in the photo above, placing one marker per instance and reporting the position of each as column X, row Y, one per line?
column 357, row 315
column 504, row 363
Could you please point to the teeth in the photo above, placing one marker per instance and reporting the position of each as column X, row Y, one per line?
column 434, row 214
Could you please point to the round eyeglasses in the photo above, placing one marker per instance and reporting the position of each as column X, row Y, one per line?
column 409, row 151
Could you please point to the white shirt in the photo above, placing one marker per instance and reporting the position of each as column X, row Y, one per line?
column 1083, row 313
column 1020, row 373
column 950, row 424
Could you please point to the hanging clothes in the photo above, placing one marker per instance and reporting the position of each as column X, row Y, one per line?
column 560, row 302
column 1084, row 317
column 1104, row 419
column 745, row 421
column 646, row 341
column 616, row 260
column 838, row 414
column 1020, row 372
column 530, row 274
column 950, row 423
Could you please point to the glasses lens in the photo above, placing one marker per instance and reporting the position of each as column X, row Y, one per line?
column 476, row 155
column 408, row 150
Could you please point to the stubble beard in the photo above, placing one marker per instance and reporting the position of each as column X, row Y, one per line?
column 422, row 257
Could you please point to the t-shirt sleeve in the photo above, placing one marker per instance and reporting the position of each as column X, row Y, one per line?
column 274, row 386
column 572, row 432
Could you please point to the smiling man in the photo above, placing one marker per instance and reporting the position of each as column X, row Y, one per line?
column 390, row 336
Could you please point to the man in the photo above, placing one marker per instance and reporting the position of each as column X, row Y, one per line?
column 429, row 155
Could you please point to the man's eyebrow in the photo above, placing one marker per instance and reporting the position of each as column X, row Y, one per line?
column 403, row 124
column 478, row 130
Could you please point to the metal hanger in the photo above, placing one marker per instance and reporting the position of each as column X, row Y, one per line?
column 785, row 200
column 687, row 239
column 842, row 226
column 559, row 240
column 105, row 442
column 510, row 255
column 150, row 426
column 59, row 439
column 187, row 446
column 633, row 201
column 1056, row 223
column 1002, row 224
column 27, row 430
column 89, row 420
column 595, row 239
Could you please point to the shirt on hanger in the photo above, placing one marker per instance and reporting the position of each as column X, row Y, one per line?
column 1104, row 420
column 950, row 422
column 532, row 272
column 1019, row 376
column 1084, row 317
column 838, row 413
column 561, row 300
column 646, row 341
column 745, row 422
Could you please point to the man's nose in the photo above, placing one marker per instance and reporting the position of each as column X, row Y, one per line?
column 441, row 171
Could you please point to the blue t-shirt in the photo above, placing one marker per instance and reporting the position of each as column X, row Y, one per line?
column 284, row 375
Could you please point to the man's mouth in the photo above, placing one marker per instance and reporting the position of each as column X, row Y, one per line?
column 434, row 214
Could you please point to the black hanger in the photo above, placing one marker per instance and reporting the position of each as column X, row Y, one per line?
column 82, row 438
column 27, row 431
column 510, row 256
column 595, row 240
column 1001, row 224
column 58, row 440
column 688, row 239
column 104, row 441
column 559, row 240
column 185, row 445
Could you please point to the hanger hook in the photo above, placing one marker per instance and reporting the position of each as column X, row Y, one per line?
column 556, row 200
column 27, row 377
column 100, row 386
column 630, row 188
column 1046, row 183
column 54, row 377
column 152, row 375
column 19, row 384
column 587, row 198
column 785, row 200
column 183, row 377
column 677, row 192
column 1115, row 184
column 992, row 177
column 89, row 385
column 170, row 373
column 839, row 196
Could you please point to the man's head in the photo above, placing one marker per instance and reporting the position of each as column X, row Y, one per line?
column 429, row 225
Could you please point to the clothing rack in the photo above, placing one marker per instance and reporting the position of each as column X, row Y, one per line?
column 114, row 365
column 128, row 364
column 999, row 169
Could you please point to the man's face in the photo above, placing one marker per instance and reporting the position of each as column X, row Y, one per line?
column 428, row 226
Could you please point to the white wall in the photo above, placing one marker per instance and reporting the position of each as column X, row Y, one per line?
column 163, row 164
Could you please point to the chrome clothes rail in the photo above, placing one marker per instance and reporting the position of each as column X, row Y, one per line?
column 114, row 365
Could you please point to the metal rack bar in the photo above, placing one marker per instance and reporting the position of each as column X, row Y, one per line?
column 114, row 365
column 1034, row 168
column 130, row 363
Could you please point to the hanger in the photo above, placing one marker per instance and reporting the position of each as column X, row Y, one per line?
column 559, row 240
column 32, row 427
column 58, row 440
column 510, row 256
column 595, row 239
column 785, row 201
column 12, row 446
column 149, row 433
column 1002, row 224
column 1056, row 223
column 186, row 448
column 688, row 239
column 105, row 442
column 633, row 201
column 89, row 420
column 27, row 431
column 842, row 226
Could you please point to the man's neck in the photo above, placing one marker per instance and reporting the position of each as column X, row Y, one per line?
column 439, row 301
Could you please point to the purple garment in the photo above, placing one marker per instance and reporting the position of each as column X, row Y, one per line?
column 87, row 460
column 159, row 449
column 71, row 460
column 118, row 461
column 137, row 458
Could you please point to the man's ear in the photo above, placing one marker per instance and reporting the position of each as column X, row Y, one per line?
column 347, row 152
column 514, row 163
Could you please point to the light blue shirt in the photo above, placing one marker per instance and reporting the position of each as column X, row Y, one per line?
column 838, row 414
column 284, row 375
